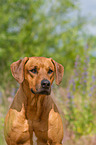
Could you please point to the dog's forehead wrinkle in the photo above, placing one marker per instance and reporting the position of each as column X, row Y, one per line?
column 40, row 63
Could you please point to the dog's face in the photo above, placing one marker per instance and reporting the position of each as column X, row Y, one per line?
column 38, row 72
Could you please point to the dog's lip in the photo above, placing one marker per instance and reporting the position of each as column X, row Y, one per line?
column 42, row 91
column 33, row 91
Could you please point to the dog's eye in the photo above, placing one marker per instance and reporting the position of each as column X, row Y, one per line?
column 34, row 70
column 50, row 71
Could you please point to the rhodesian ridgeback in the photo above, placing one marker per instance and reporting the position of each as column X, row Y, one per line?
column 33, row 109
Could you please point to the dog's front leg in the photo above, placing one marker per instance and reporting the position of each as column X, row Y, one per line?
column 55, row 128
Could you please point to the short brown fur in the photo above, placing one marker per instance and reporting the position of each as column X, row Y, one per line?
column 33, row 110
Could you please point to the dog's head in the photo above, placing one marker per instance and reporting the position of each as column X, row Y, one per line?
column 38, row 72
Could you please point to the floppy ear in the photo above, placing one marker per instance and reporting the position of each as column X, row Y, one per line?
column 17, row 69
column 59, row 69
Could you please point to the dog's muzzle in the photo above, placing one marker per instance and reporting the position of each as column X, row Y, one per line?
column 45, row 88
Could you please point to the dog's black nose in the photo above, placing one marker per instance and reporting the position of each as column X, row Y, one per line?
column 45, row 84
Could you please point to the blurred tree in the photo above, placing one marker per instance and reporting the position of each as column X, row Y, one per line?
column 38, row 28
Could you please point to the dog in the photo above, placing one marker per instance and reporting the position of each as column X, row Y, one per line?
column 33, row 109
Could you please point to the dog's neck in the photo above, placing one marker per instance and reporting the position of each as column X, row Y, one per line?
column 33, row 100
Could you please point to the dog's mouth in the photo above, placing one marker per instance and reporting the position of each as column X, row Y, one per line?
column 42, row 91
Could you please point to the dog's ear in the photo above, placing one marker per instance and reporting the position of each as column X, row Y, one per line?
column 59, row 69
column 17, row 69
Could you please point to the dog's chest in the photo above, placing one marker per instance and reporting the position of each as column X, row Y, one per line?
column 35, row 108
column 40, row 129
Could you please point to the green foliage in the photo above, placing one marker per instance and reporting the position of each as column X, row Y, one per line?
column 1, row 130
column 81, row 94
column 81, row 117
column 38, row 28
